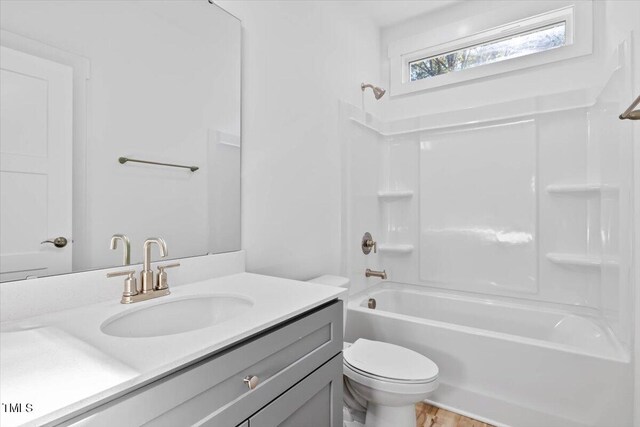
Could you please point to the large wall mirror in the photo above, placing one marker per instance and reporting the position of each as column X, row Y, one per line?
column 87, row 88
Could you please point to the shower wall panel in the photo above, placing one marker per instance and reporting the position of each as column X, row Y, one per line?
column 478, row 207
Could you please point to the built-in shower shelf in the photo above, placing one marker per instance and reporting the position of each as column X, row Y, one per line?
column 395, row 248
column 579, row 260
column 579, row 188
column 395, row 194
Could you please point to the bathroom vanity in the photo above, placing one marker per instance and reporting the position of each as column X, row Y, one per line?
column 268, row 355
column 287, row 374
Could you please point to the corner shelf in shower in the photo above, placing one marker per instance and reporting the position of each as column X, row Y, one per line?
column 395, row 248
column 395, row 194
column 580, row 260
column 578, row 189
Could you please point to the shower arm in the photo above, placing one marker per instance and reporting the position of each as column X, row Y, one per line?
column 630, row 113
column 378, row 92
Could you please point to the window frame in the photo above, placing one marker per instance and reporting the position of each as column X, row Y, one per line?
column 502, row 38
column 577, row 43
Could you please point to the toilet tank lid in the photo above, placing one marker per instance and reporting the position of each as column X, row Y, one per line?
column 329, row 280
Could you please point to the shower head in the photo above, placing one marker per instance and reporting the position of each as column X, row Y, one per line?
column 378, row 92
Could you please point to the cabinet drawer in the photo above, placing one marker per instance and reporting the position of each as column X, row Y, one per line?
column 213, row 389
column 313, row 402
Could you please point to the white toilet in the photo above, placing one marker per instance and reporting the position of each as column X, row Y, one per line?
column 390, row 378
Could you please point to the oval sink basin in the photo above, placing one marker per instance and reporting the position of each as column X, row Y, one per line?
column 176, row 317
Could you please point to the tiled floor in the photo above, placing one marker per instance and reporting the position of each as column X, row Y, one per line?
column 432, row 416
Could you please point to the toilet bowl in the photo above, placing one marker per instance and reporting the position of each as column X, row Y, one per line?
column 391, row 378
column 388, row 378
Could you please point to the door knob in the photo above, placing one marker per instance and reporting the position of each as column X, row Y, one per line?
column 58, row 242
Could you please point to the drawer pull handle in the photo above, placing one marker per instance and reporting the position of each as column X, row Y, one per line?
column 251, row 381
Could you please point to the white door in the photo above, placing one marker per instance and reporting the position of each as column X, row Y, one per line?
column 36, row 114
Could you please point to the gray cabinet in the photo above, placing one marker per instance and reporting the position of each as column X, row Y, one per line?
column 299, row 370
column 315, row 401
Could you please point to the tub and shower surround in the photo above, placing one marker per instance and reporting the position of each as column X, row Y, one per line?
column 525, row 208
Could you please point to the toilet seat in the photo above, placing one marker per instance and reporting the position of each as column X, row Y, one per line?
column 389, row 362
column 381, row 378
column 389, row 386
column 389, row 367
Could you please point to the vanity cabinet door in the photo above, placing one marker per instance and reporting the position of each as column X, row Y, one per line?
column 315, row 401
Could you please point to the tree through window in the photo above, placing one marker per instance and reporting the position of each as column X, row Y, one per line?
column 522, row 44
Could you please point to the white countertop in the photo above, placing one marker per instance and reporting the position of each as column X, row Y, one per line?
column 62, row 362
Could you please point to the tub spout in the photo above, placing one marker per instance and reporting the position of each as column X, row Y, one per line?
column 373, row 273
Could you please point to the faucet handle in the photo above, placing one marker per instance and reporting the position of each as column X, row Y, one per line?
column 162, row 276
column 130, row 284
column 161, row 268
column 368, row 243
column 129, row 273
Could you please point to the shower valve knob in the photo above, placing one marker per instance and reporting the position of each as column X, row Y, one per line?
column 368, row 243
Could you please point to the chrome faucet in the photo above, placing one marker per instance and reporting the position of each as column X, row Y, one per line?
column 126, row 259
column 151, row 285
column 146, row 275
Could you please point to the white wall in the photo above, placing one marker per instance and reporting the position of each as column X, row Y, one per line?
column 625, row 16
column 299, row 60
column 637, row 272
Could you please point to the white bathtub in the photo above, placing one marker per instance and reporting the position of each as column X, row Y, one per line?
column 505, row 363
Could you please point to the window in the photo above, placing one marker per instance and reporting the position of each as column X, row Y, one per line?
column 445, row 55
column 521, row 44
